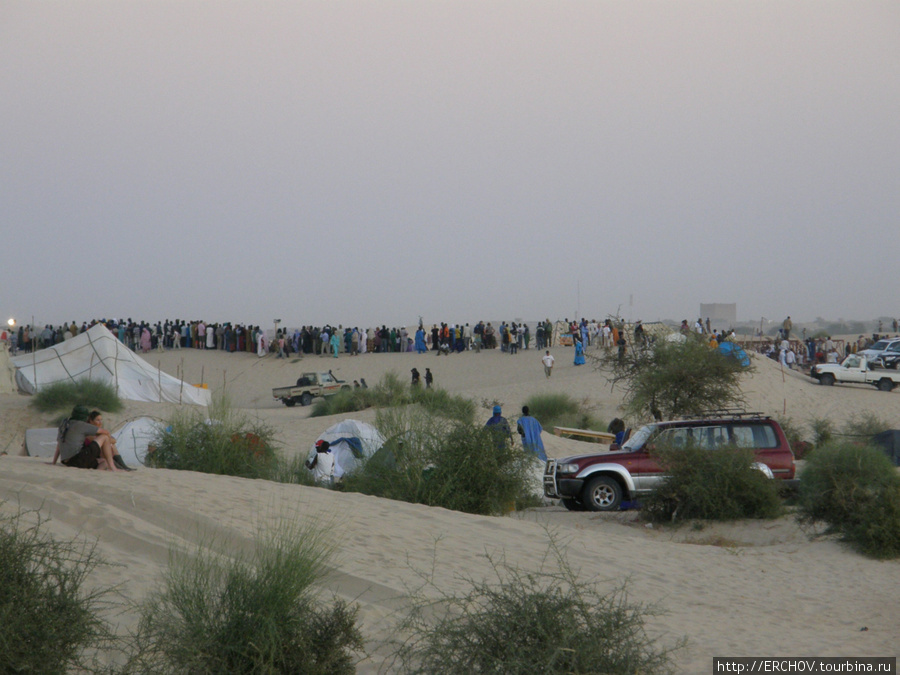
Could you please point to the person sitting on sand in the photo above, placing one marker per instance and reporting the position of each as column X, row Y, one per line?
column 96, row 418
column 78, row 444
column 321, row 463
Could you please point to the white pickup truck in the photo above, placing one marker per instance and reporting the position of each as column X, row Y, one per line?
column 855, row 369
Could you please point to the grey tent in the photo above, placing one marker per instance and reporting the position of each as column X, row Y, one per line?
column 890, row 442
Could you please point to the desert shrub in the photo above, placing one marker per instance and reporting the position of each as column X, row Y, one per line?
column 392, row 392
column 876, row 529
column 560, row 409
column 823, row 431
column 855, row 490
column 442, row 462
column 441, row 402
column 863, row 426
column 720, row 485
column 63, row 396
column 49, row 619
column 256, row 613
column 343, row 402
column 549, row 622
column 226, row 443
column 291, row 470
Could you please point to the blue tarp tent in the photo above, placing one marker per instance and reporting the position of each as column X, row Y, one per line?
column 731, row 349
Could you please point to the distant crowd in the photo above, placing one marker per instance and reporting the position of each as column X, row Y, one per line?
column 442, row 338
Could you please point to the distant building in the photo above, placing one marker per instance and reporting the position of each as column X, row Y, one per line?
column 721, row 315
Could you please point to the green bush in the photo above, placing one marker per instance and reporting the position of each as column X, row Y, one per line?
column 291, row 470
column 855, row 490
column 441, row 402
column 443, row 462
column 343, row 402
column 863, row 426
column 561, row 410
column 720, row 485
column 48, row 619
column 63, row 396
column 227, row 443
column 391, row 392
column 876, row 529
column 250, row 614
column 549, row 622
column 823, row 431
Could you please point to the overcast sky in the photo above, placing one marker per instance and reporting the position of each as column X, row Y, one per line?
column 360, row 162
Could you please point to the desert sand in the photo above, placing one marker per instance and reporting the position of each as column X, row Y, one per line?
column 742, row 589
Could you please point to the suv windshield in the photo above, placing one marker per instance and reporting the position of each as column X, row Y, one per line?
column 881, row 344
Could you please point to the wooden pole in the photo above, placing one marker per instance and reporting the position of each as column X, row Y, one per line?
column 159, row 378
column 181, row 391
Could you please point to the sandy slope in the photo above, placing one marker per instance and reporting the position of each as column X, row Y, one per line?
column 741, row 589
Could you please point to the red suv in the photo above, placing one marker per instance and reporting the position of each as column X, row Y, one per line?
column 602, row 481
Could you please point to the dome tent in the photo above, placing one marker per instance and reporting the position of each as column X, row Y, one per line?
column 732, row 349
column 351, row 442
column 134, row 437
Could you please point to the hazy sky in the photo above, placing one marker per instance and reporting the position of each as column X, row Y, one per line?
column 360, row 162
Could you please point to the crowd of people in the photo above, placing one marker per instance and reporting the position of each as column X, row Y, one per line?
column 443, row 338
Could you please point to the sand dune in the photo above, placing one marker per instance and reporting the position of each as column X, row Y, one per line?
column 750, row 588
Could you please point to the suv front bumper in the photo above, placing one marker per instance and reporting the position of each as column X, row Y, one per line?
column 556, row 487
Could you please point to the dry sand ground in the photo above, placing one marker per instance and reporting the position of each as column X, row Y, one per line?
column 744, row 589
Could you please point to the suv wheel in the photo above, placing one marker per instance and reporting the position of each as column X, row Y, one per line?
column 602, row 494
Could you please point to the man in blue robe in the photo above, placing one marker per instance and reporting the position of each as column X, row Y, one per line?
column 499, row 427
column 421, row 347
column 530, row 431
column 579, row 353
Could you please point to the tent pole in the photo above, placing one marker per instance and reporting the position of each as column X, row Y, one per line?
column 181, row 391
column 33, row 355
column 159, row 378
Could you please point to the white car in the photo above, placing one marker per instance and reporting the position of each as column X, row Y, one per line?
column 876, row 352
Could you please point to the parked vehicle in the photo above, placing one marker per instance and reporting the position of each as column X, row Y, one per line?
column 602, row 481
column 890, row 357
column 856, row 369
column 308, row 387
column 888, row 347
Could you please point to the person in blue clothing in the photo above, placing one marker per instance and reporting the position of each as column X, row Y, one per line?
column 499, row 427
column 579, row 353
column 530, row 431
column 421, row 347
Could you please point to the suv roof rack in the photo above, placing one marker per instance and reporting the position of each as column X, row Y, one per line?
column 726, row 413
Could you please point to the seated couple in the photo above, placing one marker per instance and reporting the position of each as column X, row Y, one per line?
column 83, row 443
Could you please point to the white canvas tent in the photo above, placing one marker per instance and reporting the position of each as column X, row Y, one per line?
column 98, row 355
